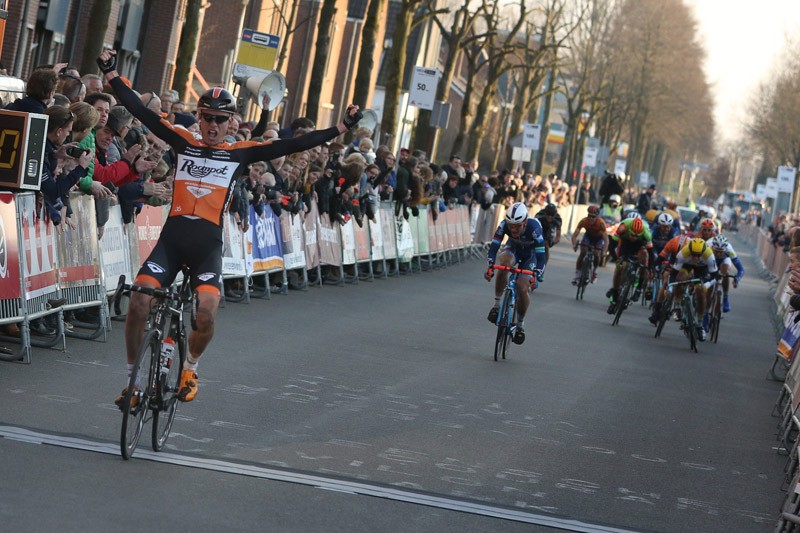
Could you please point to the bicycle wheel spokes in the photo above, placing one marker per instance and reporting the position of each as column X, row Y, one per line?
column 136, row 404
column 168, row 383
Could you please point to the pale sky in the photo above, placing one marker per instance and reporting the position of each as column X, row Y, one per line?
column 743, row 40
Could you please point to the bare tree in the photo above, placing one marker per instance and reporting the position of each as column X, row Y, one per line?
column 375, row 12
column 95, row 34
column 187, row 47
column 321, row 51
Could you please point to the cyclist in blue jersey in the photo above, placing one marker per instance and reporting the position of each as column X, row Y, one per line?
column 524, row 246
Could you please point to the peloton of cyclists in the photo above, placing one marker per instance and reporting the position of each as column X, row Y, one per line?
column 664, row 261
column 525, row 246
column 595, row 239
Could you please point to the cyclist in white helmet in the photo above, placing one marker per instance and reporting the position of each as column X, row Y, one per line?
column 524, row 246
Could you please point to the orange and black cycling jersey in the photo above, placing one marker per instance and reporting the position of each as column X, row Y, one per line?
column 594, row 228
column 205, row 176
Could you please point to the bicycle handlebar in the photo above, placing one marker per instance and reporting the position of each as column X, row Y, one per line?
column 157, row 292
column 514, row 270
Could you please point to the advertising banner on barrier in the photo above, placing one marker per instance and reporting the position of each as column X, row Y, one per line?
column 416, row 224
column 348, row 242
column 330, row 244
column 264, row 250
column 388, row 228
column 233, row 256
column 115, row 252
column 311, row 232
column 78, row 248
column 787, row 346
column 9, row 248
column 148, row 227
column 405, row 241
column 362, row 242
column 450, row 229
column 792, row 382
column 292, row 234
column 39, row 245
column 376, row 236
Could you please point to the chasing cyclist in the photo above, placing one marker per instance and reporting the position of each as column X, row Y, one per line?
column 725, row 256
column 595, row 239
column 524, row 246
column 550, row 220
column 665, row 259
column 696, row 260
column 634, row 241
column 206, row 174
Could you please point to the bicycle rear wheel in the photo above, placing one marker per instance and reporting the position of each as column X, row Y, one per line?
column 585, row 275
column 167, row 395
column 134, row 418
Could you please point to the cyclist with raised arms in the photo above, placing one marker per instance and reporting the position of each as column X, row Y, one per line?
column 524, row 246
column 696, row 260
column 594, row 239
column 206, row 175
column 726, row 257
column 634, row 240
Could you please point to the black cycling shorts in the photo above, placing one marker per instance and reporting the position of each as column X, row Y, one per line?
column 196, row 243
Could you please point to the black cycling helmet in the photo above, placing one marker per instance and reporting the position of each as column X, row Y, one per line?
column 217, row 99
column 551, row 209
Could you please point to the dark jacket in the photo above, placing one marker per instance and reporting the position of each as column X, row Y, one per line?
column 27, row 104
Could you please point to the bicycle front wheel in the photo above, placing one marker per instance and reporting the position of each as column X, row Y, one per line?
column 503, row 328
column 716, row 317
column 136, row 402
column 168, row 385
column 622, row 301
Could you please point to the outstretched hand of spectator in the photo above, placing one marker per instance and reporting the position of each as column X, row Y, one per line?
column 99, row 190
column 142, row 165
column 132, row 152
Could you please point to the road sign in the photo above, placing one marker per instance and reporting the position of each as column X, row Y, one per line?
column 422, row 92
column 786, row 177
column 531, row 136
column 620, row 165
column 257, row 52
column 590, row 156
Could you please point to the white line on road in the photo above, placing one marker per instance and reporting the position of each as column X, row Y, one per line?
column 332, row 484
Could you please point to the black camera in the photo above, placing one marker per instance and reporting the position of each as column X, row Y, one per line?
column 76, row 151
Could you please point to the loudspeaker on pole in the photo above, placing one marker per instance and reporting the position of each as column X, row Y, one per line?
column 272, row 84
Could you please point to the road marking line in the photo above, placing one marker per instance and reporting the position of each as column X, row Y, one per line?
column 316, row 481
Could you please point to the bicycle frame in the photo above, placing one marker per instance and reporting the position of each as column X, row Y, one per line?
column 626, row 286
column 688, row 319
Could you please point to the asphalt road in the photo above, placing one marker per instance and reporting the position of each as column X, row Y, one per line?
column 379, row 407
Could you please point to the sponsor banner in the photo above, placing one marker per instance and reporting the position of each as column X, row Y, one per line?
column 311, row 231
column 787, row 346
column 451, row 222
column 330, row 241
column 348, row 242
column 9, row 249
column 416, row 225
column 149, row 223
column 376, row 235
column 434, row 246
column 388, row 228
column 78, row 248
column 233, row 256
column 264, row 250
column 39, row 246
column 362, row 241
column 115, row 251
column 292, row 234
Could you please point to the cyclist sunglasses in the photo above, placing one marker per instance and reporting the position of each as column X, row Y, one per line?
column 219, row 119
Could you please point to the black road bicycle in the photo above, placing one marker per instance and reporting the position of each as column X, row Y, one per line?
column 157, row 371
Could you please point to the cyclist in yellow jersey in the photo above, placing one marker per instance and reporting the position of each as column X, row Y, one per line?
column 696, row 260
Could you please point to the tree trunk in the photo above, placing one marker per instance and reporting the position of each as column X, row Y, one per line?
column 187, row 47
column 321, row 49
column 397, row 66
column 478, row 129
column 95, row 35
column 366, row 62
column 288, row 30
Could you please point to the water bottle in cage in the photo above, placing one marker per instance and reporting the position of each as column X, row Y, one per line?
column 167, row 351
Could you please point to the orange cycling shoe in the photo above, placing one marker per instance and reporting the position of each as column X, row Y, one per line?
column 188, row 386
column 119, row 400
